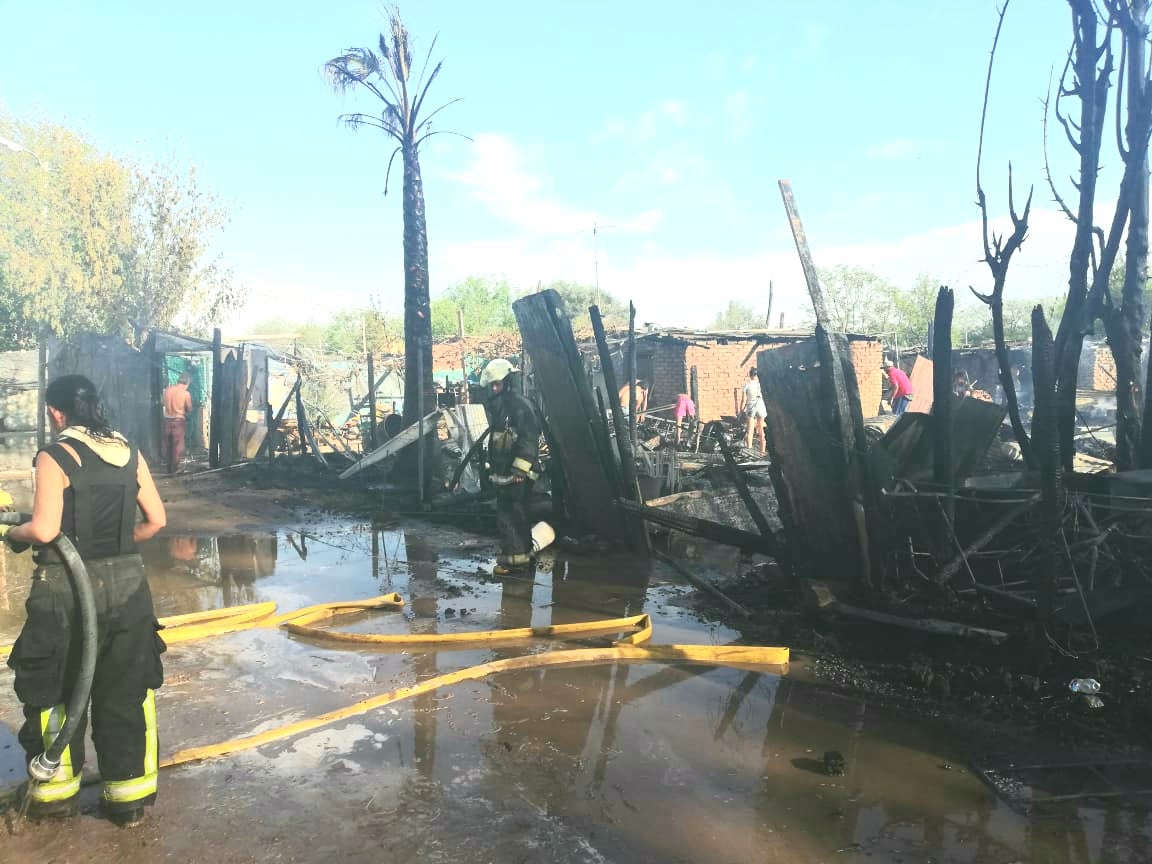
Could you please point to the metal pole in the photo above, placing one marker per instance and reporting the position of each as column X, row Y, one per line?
column 217, row 402
column 371, row 404
column 41, row 386
column 420, row 428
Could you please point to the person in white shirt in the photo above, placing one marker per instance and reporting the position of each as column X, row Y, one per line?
column 752, row 407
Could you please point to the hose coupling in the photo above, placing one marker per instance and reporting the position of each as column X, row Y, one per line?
column 42, row 769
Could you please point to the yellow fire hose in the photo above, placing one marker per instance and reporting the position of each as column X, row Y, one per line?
column 632, row 647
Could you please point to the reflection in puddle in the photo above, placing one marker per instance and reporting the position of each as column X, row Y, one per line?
column 620, row 762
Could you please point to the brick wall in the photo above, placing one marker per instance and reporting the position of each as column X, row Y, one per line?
column 447, row 356
column 669, row 373
column 1097, row 367
column 722, row 369
column 867, row 357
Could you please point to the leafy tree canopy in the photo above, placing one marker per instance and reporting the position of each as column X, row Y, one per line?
column 89, row 241
column 486, row 304
column 737, row 316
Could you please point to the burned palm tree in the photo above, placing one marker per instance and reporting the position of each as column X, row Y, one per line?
column 387, row 74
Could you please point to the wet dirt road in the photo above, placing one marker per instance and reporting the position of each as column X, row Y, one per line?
column 613, row 763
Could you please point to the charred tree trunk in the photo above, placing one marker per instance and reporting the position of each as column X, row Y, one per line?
column 1008, row 381
column 1045, row 438
column 417, row 312
column 1137, row 132
column 1091, row 86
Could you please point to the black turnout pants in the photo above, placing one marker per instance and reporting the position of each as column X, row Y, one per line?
column 512, row 523
column 46, row 660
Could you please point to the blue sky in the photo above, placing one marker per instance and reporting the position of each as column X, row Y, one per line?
column 670, row 121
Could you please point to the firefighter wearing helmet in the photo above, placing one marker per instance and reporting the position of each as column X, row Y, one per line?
column 513, row 464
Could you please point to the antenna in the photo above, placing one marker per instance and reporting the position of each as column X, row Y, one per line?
column 596, row 229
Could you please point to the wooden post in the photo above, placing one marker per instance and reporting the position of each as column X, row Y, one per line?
column 41, row 387
column 270, row 427
column 632, row 375
column 217, row 402
column 612, row 466
column 460, row 324
column 275, row 424
column 847, row 421
column 301, row 422
column 371, row 404
column 630, row 482
column 814, row 289
column 942, row 397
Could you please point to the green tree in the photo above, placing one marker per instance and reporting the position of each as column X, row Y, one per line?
column 857, row 300
column 486, row 304
column 579, row 297
column 738, row 316
column 167, row 272
column 63, row 225
column 308, row 333
column 912, row 310
column 90, row 242
column 1018, row 320
column 388, row 77
column 359, row 330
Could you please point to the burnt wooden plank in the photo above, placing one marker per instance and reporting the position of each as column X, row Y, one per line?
column 570, row 413
column 815, row 483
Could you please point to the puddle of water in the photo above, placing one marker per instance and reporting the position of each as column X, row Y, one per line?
column 624, row 762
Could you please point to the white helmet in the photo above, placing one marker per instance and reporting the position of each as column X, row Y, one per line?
column 496, row 370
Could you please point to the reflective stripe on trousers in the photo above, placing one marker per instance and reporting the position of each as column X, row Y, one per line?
column 65, row 783
column 138, row 788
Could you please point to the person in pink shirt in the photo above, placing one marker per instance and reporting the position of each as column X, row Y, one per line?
column 685, row 407
column 901, row 388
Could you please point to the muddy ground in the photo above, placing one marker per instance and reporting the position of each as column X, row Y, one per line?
column 613, row 763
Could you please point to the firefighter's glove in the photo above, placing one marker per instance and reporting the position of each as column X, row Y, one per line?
column 504, row 479
column 14, row 545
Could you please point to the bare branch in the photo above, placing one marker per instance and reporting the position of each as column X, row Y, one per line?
column 1047, row 165
column 986, row 299
column 1065, row 122
column 984, row 108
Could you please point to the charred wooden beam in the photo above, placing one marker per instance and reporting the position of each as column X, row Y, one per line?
column 714, row 531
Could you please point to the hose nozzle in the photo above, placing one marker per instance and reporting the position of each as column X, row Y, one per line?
column 42, row 769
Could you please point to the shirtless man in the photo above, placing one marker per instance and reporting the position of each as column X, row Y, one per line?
column 641, row 399
column 177, row 405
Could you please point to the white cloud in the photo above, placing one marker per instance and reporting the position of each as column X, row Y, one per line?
column 685, row 288
column 896, row 148
column 499, row 179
